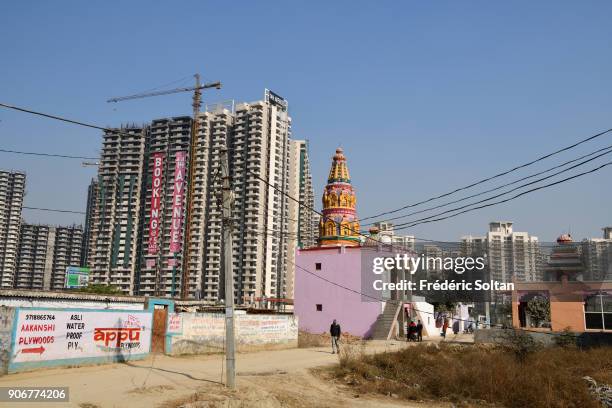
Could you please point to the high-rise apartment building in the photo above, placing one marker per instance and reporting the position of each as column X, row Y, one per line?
column 597, row 257
column 35, row 257
column 302, row 229
column 138, row 225
column 12, row 188
column 44, row 254
column 67, row 251
column 114, row 229
column 509, row 253
column 166, row 154
column 92, row 195
column 259, row 150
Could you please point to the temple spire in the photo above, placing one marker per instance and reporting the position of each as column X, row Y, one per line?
column 339, row 224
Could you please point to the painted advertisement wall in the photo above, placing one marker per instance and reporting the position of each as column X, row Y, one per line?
column 202, row 332
column 51, row 337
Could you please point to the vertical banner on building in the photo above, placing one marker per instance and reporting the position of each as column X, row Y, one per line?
column 158, row 161
column 177, row 202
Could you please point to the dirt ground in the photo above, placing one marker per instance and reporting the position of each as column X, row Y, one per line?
column 264, row 379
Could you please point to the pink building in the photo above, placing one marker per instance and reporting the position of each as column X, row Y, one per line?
column 318, row 302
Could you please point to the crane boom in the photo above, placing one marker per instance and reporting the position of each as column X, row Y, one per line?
column 216, row 85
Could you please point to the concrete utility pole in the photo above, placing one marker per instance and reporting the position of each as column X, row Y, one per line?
column 228, row 206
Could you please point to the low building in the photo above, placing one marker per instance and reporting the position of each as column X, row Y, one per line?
column 575, row 304
column 334, row 279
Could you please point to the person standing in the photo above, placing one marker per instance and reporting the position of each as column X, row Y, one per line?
column 412, row 331
column 419, row 331
column 445, row 326
column 335, row 331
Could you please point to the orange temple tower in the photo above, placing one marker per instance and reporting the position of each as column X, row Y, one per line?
column 340, row 225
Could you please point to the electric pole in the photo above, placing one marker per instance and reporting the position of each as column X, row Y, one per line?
column 228, row 205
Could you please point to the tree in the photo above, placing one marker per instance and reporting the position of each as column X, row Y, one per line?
column 538, row 309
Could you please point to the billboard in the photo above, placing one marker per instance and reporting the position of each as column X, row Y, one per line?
column 45, row 335
column 276, row 99
column 178, row 194
column 76, row 277
column 158, row 161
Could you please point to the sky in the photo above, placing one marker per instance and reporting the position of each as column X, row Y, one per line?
column 424, row 97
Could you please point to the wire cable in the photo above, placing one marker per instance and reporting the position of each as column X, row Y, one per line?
column 52, row 210
column 484, row 180
column 63, row 156
column 509, row 191
column 513, row 197
column 607, row 149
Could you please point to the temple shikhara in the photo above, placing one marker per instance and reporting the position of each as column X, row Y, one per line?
column 339, row 226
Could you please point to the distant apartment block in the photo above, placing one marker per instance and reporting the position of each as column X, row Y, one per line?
column 509, row 253
column 12, row 188
column 44, row 254
column 92, row 195
column 387, row 235
column 115, row 219
column 597, row 257
column 301, row 227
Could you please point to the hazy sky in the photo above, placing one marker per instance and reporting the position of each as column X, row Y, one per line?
column 423, row 96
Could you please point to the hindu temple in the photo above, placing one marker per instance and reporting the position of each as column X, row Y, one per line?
column 339, row 225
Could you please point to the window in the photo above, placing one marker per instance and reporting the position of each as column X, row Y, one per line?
column 319, row 307
column 318, row 266
column 598, row 312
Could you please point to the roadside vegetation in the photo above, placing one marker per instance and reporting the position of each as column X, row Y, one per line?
column 515, row 374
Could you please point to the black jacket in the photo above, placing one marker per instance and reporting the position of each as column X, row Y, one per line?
column 334, row 330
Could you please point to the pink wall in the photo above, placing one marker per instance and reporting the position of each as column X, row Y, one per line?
column 341, row 266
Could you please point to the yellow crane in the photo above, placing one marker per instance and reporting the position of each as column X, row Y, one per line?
column 197, row 103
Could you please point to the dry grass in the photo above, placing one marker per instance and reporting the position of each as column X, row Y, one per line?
column 550, row 377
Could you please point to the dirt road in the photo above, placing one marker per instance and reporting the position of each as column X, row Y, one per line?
column 265, row 379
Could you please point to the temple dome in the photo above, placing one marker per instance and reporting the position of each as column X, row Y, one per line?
column 565, row 239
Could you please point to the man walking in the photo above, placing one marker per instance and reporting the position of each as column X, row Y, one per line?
column 419, row 331
column 335, row 332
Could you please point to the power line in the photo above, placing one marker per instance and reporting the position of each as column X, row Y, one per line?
column 52, row 210
column 120, row 132
column 608, row 149
column 64, row 156
column 390, row 245
column 491, row 177
column 509, row 191
column 46, row 115
column 513, row 197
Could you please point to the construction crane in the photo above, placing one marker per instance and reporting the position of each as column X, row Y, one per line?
column 197, row 103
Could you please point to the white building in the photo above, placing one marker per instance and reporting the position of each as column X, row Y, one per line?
column 597, row 257
column 386, row 235
column 12, row 188
column 509, row 253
